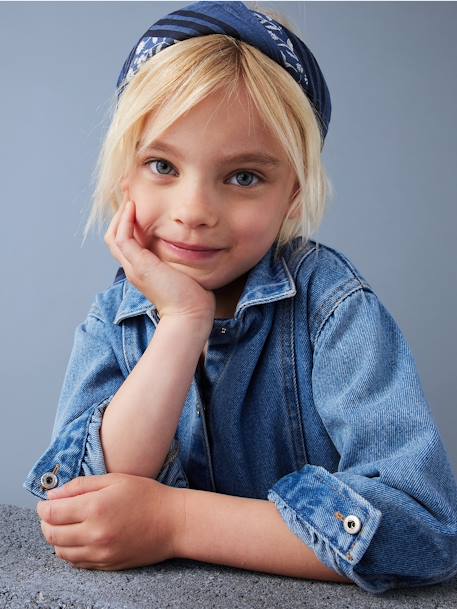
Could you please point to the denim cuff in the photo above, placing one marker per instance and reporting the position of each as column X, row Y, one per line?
column 331, row 518
column 84, row 431
column 93, row 462
column 65, row 451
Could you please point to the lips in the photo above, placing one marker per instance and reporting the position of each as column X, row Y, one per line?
column 190, row 256
column 194, row 248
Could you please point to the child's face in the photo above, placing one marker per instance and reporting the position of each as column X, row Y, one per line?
column 193, row 196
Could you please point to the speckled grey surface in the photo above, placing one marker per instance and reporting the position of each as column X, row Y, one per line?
column 32, row 577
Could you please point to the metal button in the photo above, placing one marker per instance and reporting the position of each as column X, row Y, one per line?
column 49, row 479
column 223, row 330
column 352, row 524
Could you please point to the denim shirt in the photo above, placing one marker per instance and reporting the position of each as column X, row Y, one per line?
column 309, row 397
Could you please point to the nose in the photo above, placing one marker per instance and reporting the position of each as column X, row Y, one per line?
column 194, row 204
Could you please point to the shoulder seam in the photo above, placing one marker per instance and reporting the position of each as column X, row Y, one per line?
column 361, row 287
column 299, row 261
column 348, row 264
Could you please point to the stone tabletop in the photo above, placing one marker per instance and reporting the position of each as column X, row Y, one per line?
column 31, row 576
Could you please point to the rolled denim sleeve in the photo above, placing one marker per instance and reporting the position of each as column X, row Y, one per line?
column 387, row 517
column 93, row 376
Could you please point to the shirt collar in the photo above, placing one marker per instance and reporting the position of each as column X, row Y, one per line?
column 268, row 281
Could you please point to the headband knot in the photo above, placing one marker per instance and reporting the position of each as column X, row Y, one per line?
column 237, row 20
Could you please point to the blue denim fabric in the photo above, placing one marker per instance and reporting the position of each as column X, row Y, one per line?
column 309, row 398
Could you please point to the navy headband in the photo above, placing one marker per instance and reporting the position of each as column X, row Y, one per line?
column 237, row 20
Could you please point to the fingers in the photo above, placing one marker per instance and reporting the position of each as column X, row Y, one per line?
column 65, row 535
column 79, row 486
column 139, row 260
column 126, row 223
column 66, row 510
column 124, row 231
column 110, row 239
column 112, row 228
column 124, row 238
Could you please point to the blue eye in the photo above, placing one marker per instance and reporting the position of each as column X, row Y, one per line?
column 161, row 163
column 248, row 173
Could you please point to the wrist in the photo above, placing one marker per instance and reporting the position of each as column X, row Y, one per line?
column 200, row 326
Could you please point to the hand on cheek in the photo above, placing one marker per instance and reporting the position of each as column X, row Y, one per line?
column 140, row 236
column 173, row 292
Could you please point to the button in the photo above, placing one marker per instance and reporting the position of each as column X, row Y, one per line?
column 49, row 479
column 352, row 524
column 223, row 330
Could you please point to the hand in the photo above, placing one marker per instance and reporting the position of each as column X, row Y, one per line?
column 112, row 522
column 174, row 293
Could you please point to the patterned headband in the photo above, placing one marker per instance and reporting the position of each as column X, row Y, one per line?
column 237, row 20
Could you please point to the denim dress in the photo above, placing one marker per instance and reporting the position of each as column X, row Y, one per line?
column 309, row 397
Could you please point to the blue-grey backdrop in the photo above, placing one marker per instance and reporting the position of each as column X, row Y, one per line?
column 391, row 153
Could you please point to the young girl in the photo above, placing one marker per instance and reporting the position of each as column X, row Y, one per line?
column 239, row 395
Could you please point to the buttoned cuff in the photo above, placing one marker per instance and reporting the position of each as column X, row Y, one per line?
column 62, row 461
column 77, row 451
column 332, row 519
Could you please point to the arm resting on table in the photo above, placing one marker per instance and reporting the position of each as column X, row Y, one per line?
column 245, row 533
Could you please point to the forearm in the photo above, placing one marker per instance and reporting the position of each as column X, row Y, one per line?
column 139, row 423
column 244, row 533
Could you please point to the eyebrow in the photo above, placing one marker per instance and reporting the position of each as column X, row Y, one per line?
column 261, row 158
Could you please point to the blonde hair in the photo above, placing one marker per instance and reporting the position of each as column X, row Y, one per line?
column 183, row 74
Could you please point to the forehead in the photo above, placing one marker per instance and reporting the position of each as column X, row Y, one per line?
column 231, row 119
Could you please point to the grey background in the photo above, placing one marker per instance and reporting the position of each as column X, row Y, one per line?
column 391, row 153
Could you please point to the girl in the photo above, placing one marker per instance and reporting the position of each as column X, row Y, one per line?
column 239, row 395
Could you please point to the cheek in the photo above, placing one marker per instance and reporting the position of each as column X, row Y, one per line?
column 258, row 231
